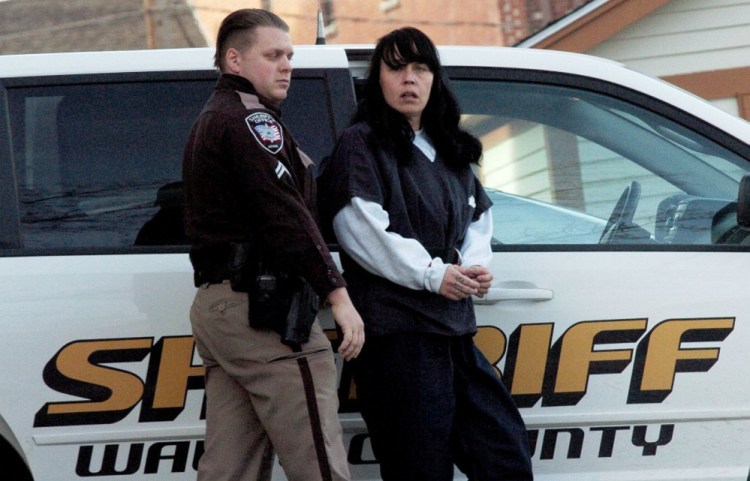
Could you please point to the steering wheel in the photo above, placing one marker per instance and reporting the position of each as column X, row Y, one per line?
column 623, row 212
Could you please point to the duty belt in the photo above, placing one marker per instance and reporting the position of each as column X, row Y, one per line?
column 210, row 263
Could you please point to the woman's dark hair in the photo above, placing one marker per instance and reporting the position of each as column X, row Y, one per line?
column 237, row 30
column 441, row 116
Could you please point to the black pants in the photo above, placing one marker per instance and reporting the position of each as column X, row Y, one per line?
column 433, row 401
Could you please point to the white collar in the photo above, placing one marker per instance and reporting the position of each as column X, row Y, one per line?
column 423, row 143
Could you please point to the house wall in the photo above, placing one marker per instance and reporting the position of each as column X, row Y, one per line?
column 91, row 25
column 682, row 35
column 447, row 22
column 702, row 46
column 364, row 21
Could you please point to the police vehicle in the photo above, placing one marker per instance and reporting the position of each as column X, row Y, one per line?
column 617, row 318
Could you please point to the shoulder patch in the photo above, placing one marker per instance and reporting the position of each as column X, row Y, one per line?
column 266, row 130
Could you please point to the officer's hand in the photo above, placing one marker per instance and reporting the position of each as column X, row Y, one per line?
column 457, row 285
column 349, row 320
column 482, row 275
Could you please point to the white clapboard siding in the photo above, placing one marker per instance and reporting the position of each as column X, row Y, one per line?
column 684, row 36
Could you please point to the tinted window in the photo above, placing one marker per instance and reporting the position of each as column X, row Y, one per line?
column 557, row 160
column 308, row 114
column 96, row 162
column 98, row 165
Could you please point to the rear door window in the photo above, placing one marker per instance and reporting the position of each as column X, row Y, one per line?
column 98, row 165
column 98, row 160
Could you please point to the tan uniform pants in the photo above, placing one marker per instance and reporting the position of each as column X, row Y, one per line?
column 262, row 397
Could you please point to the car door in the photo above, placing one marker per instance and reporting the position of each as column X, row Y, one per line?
column 618, row 317
column 95, row 271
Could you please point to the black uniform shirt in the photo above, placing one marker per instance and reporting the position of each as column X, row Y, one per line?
column 246, row 180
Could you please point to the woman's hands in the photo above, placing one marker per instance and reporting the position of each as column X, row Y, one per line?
column 461, row 282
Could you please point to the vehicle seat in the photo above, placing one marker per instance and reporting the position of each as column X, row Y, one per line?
column 725, row 229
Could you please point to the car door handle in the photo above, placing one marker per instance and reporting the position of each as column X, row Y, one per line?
column 515, row 291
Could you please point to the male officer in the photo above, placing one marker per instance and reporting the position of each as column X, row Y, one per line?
column 247, row 184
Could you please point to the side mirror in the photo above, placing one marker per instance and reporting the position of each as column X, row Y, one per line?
column 743, row 202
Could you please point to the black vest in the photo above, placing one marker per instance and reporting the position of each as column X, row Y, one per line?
column 427, row 201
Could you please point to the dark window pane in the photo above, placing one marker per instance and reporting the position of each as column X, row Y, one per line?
column 90, row 159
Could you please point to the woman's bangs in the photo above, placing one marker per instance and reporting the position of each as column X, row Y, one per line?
column 401, row 53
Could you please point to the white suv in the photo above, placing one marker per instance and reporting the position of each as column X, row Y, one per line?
column 617, row 317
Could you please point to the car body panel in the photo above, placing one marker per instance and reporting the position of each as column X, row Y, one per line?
column 625, row 356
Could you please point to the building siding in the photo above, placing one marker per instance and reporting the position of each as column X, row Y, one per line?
column 31, row 26
column 447, row 22
column 684, row 34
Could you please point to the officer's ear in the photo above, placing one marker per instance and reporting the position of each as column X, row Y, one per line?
column 232, row 60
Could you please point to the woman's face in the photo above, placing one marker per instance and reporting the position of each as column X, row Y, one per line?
column 407, row 89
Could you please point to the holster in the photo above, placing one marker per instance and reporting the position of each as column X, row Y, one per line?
column 277, row 300
column 302, row 312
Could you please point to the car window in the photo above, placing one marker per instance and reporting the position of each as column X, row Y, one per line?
column 559, row 161
column 98, row 165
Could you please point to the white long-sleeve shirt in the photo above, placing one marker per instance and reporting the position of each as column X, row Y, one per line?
column 361, row 229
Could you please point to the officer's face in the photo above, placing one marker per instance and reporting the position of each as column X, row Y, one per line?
column 266, row 64
column 406, row 89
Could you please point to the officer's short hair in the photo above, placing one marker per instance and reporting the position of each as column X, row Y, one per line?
column 237, row 30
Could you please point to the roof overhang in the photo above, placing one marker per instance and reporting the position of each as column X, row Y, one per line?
column 591, row 24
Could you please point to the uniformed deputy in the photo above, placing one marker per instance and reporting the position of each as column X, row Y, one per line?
column 247, row 184
column 415, row 226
